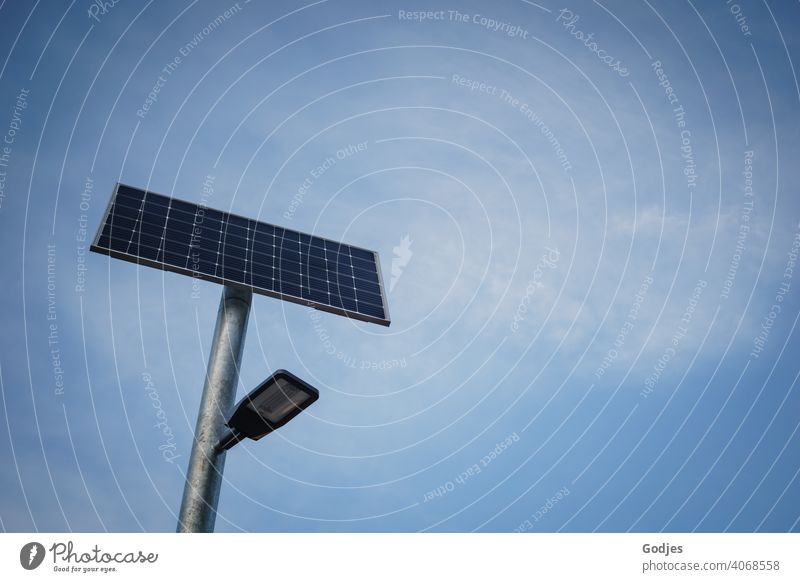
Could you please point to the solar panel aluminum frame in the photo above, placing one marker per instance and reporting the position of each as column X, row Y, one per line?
column 95, row 247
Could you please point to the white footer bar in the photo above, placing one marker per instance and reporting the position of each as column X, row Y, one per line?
column 389, row 557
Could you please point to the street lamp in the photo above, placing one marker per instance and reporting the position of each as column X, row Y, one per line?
column 275, row 402
column 149, row 229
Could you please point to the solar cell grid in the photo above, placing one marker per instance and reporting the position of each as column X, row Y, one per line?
column 175, row 235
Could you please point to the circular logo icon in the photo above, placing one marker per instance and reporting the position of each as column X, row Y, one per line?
column 31, row 555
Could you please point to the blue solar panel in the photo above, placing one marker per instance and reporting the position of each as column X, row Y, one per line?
column 170, row 234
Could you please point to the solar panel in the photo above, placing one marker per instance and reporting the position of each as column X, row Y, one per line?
column 170, row 234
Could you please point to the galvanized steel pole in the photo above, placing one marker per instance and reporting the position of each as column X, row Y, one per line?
column 204, row 475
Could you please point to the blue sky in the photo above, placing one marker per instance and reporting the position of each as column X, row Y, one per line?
column 594, row 322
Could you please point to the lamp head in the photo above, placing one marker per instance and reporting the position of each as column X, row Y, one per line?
column 275, row 402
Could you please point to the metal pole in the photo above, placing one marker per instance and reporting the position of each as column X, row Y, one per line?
column 206, row 463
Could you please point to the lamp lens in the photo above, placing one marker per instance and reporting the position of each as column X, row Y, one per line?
column 280, row 399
